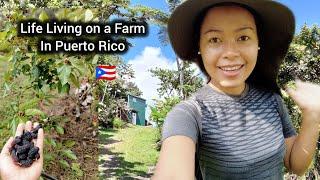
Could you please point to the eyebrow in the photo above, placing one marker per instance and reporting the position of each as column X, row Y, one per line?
column 237, row 30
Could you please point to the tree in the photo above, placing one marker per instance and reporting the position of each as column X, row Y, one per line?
column 170, row 81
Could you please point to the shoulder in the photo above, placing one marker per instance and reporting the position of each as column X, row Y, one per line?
column 191, row 104
column 189, row 108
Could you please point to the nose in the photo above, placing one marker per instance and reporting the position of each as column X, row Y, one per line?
column 230, row 51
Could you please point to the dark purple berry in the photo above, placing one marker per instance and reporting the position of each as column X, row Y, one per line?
column 37, row 156
column 33, row 152
column 24, row 142
column 26, row 163
column 23, row 149
column 34, row 135
column 22, row 156
column 27, row 136
column 17, row 140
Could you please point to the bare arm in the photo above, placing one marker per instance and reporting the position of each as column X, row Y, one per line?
column 176, row 159
column 301, row 148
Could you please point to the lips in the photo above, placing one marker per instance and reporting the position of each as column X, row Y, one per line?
column 231, row 70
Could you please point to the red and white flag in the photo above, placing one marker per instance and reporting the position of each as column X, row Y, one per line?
column 106, row 72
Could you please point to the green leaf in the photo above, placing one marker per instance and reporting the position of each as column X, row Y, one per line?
column 74, row 80
column 65, row 88
column 34, row 112
column 52, row 142
column 35, row 72
column 64, row 163
column 29, row 104
column 5, row 58
column 48, row 157
column 3, row 35
column 95, row 59
column 64, row 73
column 43, row 16
column 59, row 130
column 79, row 65
column 69, row 143
column 76, row 167
column 69, row 154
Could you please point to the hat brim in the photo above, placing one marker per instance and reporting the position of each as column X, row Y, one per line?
column 277, row 20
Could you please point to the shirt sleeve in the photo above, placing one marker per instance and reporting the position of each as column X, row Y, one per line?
column 287, row 126
column 181, row 120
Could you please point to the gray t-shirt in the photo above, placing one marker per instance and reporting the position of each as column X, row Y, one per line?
column 242, row 137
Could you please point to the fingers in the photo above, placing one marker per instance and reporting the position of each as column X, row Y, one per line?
column 20, row 129
column 40, row 141
column 6, row 147
column 28, row 126
column 35, row 124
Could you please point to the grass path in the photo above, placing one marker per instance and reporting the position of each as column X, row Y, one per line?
column 128, row 153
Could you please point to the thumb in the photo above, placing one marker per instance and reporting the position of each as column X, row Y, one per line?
column 294, row 95
column 6, row 147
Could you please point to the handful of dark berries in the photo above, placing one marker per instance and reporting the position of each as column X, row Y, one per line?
column 23, row 151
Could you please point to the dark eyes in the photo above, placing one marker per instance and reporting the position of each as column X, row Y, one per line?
column 214, row 40
column 217, row 40
column 243, row 38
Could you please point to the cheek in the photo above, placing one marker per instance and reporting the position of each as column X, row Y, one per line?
column 210, row 59
column 250, row 55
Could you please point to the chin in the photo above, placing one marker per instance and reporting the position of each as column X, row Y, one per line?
column 231, row 84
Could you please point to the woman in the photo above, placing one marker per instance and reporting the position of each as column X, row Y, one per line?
column 238, row 121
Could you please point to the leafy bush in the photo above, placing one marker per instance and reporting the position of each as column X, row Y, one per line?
column 161, row 109
column 118, row 123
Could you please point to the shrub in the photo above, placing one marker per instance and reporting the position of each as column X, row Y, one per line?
column 117, row 123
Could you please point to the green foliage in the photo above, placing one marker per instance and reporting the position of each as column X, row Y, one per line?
column 117, row 123
column 170, row 81
column 161, row 109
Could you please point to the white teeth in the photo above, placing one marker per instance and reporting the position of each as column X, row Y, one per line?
column 231, row 68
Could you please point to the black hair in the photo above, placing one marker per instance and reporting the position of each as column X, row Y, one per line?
column 265, row 72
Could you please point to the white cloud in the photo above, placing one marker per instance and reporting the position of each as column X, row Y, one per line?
column 150, row 57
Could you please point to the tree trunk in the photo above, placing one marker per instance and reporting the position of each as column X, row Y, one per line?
column 180, row 70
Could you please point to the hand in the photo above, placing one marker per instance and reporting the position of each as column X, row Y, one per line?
column 307, row 97
column 9, row 170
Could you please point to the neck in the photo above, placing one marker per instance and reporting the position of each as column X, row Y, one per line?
column 234, row 91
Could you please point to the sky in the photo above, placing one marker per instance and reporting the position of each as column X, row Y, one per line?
column 148, row 52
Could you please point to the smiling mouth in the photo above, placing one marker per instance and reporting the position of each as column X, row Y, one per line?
column 231, row 68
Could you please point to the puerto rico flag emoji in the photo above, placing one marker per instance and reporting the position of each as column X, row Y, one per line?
column 106, row 72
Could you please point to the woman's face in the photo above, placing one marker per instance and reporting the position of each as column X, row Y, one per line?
column 229, row 47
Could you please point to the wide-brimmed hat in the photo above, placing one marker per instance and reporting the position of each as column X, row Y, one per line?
column 276, row 23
